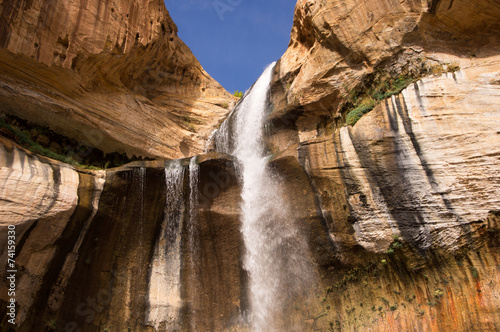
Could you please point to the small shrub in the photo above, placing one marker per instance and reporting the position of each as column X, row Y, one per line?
column 410, row 298
column 397, row 245
column 438, row 294
column 51, row 325
column 474, row 272
column 377, row 87
column 238, row 94
column 354, row 115
column 453, row 67
column 47, row 143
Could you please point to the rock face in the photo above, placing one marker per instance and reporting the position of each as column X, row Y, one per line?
column 401, row 210
column 415, row 181
column 113, row 75
column 423, row 162
column 335, row 45
column 102, row 236
column 56, row 32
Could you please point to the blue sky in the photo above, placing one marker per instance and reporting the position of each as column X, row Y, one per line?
column 234, row 40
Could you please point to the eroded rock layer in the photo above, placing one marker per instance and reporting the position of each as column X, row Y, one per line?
column 113, row 75
column 336, row 45
column 86, row 255
column 401, row 210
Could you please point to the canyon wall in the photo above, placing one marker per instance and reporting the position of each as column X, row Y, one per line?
column 337, row 46
column 401, row 209
column 409, row 194
column 112, row 75
column 88, row 243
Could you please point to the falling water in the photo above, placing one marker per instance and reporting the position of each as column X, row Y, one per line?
column 165, row 277
column 192, row 233
column 194, row 170
column 275, row 254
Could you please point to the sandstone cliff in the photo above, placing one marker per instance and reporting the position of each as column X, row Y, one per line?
column 401, row 209
column 419, row 172
column 336, row 46
column 92, row 235
column 113, row 75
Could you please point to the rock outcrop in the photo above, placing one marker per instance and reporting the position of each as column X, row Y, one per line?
column 401, row 210
column 424, row 162
column 112, row 75
column 91, row 245
column 414, row 183
column 336, row 45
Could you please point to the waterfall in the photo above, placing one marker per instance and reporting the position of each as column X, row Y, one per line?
column 192, row 240
column 275, row 254
column 165, row 276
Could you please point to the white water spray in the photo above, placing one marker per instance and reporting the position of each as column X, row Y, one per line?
column 276, row 257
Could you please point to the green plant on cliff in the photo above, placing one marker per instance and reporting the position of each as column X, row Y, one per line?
column 51, row 325
column 354, row 115
column 474, row 272
column 396, row 244
column 46, row 143
column 238, row 94
column 374, row 91
column 381, row 85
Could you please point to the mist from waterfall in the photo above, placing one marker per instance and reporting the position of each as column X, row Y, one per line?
column 276, row 257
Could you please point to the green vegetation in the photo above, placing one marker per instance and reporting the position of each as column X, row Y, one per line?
column 359, row 111
column 189, row 122
column 238, row 94
column 45, row 142
column 51, row 325
column 431, row 304
column 379, row 89
column 474, row 272
column 381, row 85
column 438, row 293
column 355, row 274
column 394, row 245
